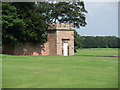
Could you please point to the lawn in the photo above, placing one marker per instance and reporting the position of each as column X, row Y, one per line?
column 60, row 71
column 98, row 51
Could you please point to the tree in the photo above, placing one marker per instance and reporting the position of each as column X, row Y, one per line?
column 77, row 41
column 28, row 22
column 64, row 12
column 100, row 42
column 22, row 23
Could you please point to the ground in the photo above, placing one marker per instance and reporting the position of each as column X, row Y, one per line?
column 62, row 71
column 98, row 51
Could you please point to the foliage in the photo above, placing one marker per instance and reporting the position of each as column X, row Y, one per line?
column 99, row 42
column 64, row 12
column 77, row 41
column 22, row 23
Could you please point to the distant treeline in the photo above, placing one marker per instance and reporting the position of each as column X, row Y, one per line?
column 97, row 42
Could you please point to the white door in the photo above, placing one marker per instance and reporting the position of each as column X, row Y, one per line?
column 65, row 49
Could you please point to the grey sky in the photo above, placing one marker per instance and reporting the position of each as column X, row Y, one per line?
column 102, row 19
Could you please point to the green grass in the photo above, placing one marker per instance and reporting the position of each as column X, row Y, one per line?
column 98, row 51
column 59, row 72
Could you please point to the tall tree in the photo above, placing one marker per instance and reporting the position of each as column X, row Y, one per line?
column 64, row 12
column 22, row 23
column 27, row 22
column 77, row 41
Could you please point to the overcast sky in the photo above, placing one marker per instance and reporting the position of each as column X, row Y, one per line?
column 102, row 19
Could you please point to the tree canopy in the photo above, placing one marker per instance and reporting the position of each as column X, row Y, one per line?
column 98, row 42
column 28, row 22
column 22, row 23
column 64, row 12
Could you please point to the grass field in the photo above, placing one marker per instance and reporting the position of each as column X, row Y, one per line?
column 98, row 51
column 60, row 71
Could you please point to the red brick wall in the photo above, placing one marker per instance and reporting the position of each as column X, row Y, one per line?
column 45, row 49
column 27, row 49
column 52, row 42
column 32, row 49
column 8, row 49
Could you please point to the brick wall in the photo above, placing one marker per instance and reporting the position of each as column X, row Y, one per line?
column 28, row 49
column 45, row 49
column 52, row 42
column 8, row 49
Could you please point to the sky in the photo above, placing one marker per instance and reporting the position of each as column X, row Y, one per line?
column 102, row 19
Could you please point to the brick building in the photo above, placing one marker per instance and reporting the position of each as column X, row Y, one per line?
column 60, row 41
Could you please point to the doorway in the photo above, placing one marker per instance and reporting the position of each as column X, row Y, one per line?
column 65, row 49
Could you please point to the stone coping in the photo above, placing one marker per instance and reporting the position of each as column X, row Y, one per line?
column 59, row 26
